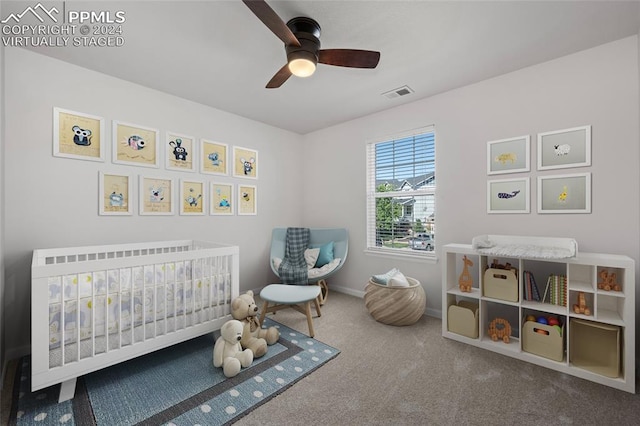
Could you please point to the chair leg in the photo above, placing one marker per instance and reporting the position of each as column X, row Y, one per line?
column 264, row 312
column 317, row 304
column 324, row 291
column 307, row 308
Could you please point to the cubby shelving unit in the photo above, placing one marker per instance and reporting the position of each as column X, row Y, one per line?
column 611, row 319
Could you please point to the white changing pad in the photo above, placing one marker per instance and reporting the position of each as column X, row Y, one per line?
column 525, row 247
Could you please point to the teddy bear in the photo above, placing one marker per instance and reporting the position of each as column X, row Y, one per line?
column 228, row 353
column 254, row 337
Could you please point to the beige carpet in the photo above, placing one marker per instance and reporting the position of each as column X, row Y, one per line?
column 413, row 376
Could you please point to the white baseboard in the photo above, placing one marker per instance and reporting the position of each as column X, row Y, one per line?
column 346, row 290
column 435, row 313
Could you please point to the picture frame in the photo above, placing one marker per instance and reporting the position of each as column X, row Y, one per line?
column 135, row 145
column 565, row 148
column 247, row 199
column 78, row 135
column 508, row 155
column 192, row 197
column 570, row 193
column 508, row 195
column 115, row 194
column 222, row 199
column 214, row 157
column 156, row 196
column 180, row 152
column 245, row 162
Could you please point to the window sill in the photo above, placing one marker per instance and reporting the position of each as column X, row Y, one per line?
column 428, row 257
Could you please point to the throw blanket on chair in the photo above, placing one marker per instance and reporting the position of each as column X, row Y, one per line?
column 293, row 269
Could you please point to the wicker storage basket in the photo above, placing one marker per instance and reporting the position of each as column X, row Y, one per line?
column 395, row 305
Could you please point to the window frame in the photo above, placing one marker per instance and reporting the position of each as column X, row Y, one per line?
column 371, row 232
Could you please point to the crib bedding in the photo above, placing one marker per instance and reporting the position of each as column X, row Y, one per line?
column 114, row 341
column 90, row 304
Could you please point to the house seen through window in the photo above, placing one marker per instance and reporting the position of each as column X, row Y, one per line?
column 401, row 186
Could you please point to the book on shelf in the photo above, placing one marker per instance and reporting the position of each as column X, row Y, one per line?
column 556, row 289
column 531, row 291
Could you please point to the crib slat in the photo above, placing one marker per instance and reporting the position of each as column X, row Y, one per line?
column 84, row 332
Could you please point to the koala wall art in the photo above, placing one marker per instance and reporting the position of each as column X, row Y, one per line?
column 156, row 196
column 77, row 135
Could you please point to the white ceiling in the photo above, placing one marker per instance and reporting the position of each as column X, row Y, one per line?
column 218, row 53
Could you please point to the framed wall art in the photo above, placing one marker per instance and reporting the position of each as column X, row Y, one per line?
column 78, row 135
column 116, row 192
column 564, row 148
column 569, row 193
column 247, row 200
column 508, row 196
column 135, row 145
column 222, row 198
column 508, row 155
column 192, row 197
column 245, row 162
column 213, row 157
column 156, row 196
column 180, row 152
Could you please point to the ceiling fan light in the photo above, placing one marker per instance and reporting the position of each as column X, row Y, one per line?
column 302, row 67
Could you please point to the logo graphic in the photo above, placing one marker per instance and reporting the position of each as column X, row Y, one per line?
column 34, row 11
column 55, row 26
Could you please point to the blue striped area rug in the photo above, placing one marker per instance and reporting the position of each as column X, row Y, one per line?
column 174, row 386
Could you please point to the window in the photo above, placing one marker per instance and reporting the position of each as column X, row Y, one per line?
column 401, row 187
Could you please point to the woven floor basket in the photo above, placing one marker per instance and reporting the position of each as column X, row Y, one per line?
column 395, row 305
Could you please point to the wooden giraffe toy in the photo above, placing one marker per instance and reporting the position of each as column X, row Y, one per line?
column 581, row 307
column 466, row 280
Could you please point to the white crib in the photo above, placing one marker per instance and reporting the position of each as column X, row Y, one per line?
column 96, row 306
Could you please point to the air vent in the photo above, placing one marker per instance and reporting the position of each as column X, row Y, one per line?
column 396, row 93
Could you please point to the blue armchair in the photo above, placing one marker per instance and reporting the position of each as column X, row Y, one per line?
column 319, row 237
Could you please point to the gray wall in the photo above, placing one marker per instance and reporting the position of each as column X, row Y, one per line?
column 53, row 202
column 2, row 139
column 597, row 87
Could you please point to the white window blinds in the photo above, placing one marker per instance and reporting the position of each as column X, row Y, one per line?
column 401, row 185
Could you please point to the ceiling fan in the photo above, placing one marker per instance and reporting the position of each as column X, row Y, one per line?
column 301, row 37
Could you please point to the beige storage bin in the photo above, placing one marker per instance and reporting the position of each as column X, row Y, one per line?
column 463, row 319
column 501, row 284
column 549, row 344
column 595, row 347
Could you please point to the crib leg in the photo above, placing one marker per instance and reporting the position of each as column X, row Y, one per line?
column 67, row 390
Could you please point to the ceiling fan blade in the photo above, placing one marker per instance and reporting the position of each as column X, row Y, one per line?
column 352, row 58
column 279, row 78
column 271, row 19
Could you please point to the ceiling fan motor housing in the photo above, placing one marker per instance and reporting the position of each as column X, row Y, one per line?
column 307, row 31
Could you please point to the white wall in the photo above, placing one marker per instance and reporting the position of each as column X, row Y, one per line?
column 53, row 202
column 597, row 87
column 638, row 189
column 2, row 155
